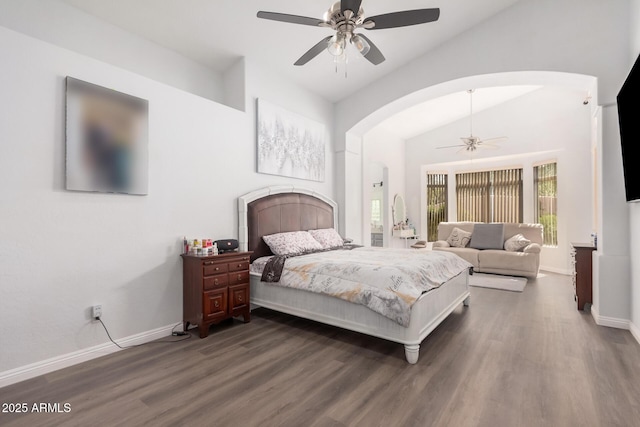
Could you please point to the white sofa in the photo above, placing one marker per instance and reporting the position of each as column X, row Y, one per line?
column 525, row 263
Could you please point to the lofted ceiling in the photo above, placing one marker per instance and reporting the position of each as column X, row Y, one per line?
column 441, row 111
column 218, row 33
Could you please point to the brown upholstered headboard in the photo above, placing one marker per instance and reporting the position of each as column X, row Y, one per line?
column 284, row 212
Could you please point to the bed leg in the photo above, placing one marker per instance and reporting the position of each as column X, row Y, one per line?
column 467, row 301
column 412, row 352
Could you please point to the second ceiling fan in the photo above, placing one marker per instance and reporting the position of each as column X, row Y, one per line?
column 472, row 143
column 345, row 17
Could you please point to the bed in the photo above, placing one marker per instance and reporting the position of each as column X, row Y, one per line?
column 287, row 208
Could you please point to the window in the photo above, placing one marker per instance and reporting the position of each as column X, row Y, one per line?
column 375, row 210
column 545, row 189
column 436, row 203
column 489, row 196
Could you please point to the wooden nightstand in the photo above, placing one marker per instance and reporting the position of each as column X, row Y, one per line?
column 215, row 288
column 582, row 280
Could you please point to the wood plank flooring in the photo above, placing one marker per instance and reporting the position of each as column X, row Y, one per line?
column 510, row 359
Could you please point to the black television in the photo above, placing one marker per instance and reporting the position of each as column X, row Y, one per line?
column 628, row 102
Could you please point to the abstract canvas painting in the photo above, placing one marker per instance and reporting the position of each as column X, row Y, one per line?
column 289, row 144
column 107, row 140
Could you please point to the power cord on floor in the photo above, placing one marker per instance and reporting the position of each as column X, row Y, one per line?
column 173, row 333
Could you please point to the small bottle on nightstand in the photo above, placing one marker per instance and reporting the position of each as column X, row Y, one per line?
column 215, row 248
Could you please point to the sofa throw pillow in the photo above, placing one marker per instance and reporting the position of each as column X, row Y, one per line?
column 487, row 236
column 516, row 243
column 293, row 242
column 459, row 238
column 327, row 237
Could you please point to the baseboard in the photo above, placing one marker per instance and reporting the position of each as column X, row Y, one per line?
column 635, row 331
column 55, row 363
column 611, row 322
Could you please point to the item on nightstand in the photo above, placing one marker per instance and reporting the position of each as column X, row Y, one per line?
column 215, row 248
column 227, row 245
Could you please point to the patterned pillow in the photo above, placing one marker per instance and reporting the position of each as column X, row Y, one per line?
column 292, row 242
column 516, row 243
column 327, row 237
column 459, row 238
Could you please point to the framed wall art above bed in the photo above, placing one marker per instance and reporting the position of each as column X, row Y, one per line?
column 289, row 144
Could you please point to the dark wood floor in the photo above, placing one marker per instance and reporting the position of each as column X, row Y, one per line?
column 510, row 359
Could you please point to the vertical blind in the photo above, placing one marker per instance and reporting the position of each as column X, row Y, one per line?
column 491, row 196
column 545, row 185
column 436, row 203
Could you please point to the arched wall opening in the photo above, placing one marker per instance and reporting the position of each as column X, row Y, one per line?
column 408, row 160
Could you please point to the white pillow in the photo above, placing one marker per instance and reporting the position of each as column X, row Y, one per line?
column 459, row 238
column 292, row 242
column 516, row 243
column 327, row 237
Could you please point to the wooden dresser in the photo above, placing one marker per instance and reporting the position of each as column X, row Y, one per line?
column 582, row 273
column 215, row 288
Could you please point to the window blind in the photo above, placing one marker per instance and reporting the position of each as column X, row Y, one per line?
column 436, row 203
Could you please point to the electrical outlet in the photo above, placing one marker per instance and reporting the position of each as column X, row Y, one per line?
column 96, row 312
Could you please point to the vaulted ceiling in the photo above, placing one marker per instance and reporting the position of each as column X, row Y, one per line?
column 217, row 33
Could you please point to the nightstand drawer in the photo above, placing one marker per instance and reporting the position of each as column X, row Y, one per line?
column 215, row 304
column 212, row 282
column 238, row 277
column 238, row 298
column 239, row 265
column 209, row 268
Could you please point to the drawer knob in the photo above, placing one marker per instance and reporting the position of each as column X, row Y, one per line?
column 239, row 276
column 239, row 265
column 240, row 298
column 215, row 281
column 216, row 304
column 217, row 268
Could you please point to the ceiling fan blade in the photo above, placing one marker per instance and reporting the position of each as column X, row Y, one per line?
column 352, row 5
column 292, row 19
column 489, row 146
column 452, row 146
column 401, row 19
column 313, row 52
column 374, row 55
column 493, row 140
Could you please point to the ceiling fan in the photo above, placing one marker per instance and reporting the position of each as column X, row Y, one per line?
column 344, row 17
column 472, row 143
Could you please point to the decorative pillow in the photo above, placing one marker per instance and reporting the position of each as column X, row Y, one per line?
column 459, row 238
column 292, row 242
column 487, row 236
column 327, row 237
column 516, row 243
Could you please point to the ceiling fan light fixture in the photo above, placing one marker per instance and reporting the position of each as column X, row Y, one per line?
column 361, row 44
column 336, row 44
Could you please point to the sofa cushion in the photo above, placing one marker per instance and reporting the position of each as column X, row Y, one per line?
column 516, row 243
column 487, row 236
column 459, row 238
column 502, row 260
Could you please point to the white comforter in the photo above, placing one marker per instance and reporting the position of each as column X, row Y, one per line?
column 386, row 280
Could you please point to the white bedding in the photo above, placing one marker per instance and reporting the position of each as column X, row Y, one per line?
column 388, row 281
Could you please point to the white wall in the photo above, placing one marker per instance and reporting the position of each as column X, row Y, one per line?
column 71, row 28
column 634, row 208
column 382, row 147
column 545, row 125
column 580, row 37
column 62, row 252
